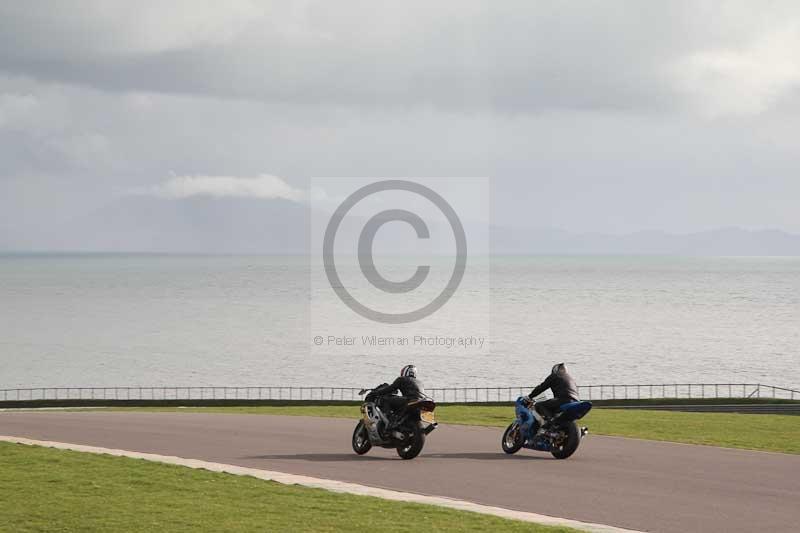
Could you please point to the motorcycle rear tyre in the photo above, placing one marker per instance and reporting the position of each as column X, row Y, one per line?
column 412, row 449
column 571, row 444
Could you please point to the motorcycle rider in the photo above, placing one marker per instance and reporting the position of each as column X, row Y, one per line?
column 410, row 389
column 564, row 391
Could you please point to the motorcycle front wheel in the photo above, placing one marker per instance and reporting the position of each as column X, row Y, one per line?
column 568, row 446
column 361, row 443
column 416, row 440
column 512, row 439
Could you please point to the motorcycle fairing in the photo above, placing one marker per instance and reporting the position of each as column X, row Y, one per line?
column 373, row 417
column 527, row 422
column 575, row 410
column 423, row 404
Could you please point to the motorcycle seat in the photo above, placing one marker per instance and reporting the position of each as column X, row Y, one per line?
column 422, row 403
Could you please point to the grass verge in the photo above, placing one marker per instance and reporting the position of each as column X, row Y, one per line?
column 777, row 433
column 43, row 489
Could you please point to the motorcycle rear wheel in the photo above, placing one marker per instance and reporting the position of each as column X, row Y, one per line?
column 361, row 442
column 512, row 439
column 570, row 445
column 414, row 447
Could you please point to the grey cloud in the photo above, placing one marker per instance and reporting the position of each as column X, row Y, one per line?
column 517, row 56
column 605, row 116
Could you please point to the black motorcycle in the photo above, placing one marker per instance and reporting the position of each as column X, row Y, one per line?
column 380, row 427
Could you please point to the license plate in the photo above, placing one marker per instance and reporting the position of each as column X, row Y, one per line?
column 427, row 416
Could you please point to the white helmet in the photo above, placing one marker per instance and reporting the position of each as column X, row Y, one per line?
column 408, row 371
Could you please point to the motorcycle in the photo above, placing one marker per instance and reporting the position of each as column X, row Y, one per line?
column 560, row 435
column 406, row 435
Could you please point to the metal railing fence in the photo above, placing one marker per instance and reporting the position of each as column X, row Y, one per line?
column 440, row 394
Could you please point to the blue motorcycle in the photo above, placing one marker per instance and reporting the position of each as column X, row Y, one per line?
column 560, row 435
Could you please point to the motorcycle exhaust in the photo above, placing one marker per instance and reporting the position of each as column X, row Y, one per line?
column 584, row 431
column 430, row 428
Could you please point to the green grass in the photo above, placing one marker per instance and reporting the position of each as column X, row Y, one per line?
column 43, row 489
column 778, row 433
column 775, row 433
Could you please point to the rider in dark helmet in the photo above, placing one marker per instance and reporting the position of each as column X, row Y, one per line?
column 564, row 391
column 410, row 389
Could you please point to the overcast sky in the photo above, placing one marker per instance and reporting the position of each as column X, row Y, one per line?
column 592, row 116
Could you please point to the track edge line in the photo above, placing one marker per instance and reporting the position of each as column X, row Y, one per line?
column 328, row 484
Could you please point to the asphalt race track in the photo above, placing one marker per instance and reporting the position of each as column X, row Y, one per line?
column 644, row 485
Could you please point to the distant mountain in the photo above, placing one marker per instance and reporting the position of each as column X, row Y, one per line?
column 259, row 226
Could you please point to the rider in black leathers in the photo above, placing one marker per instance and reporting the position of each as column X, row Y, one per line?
column 564, row 391
column 410, row 389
